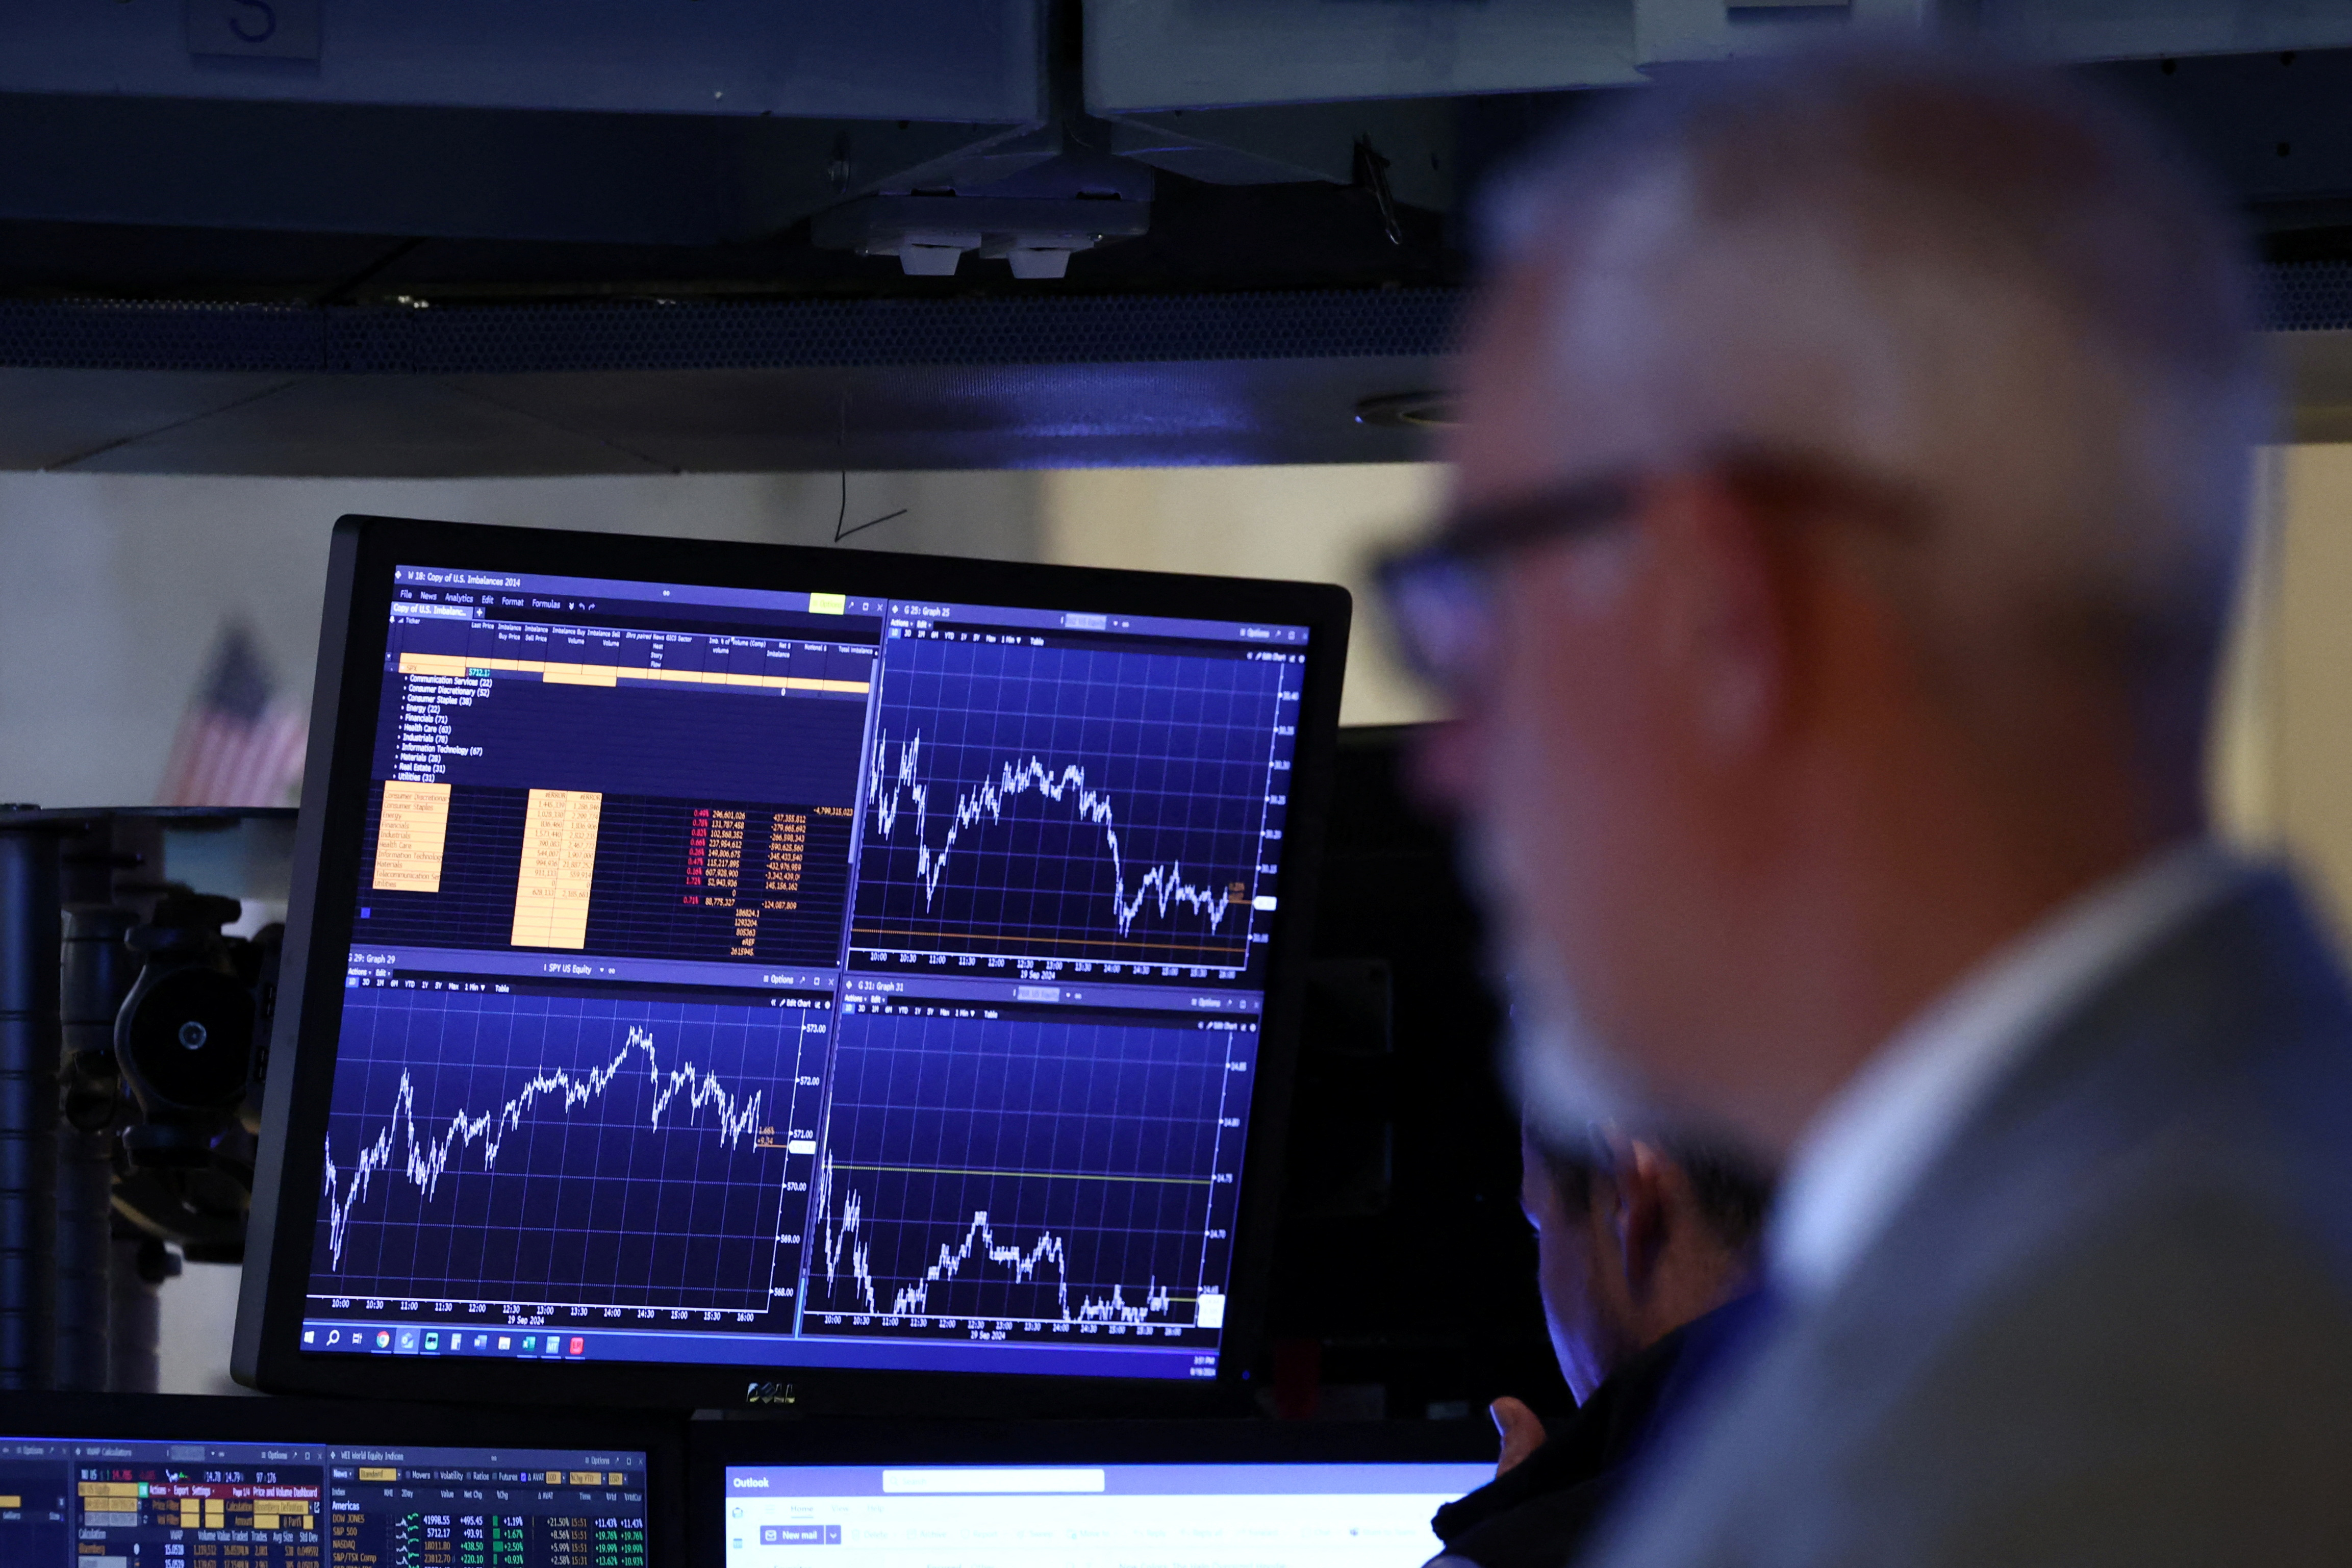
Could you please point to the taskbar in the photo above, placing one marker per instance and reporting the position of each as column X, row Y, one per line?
column 335, row 1337
column 409, row 967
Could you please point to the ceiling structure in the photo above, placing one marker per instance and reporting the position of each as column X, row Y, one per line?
column 421, row 237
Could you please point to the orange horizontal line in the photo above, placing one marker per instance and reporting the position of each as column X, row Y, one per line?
column 1080, row 940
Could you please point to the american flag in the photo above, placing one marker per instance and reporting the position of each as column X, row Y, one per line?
column 238, row 744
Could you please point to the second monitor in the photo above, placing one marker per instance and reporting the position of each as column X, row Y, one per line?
column 1123, row 1494
column 720, row 959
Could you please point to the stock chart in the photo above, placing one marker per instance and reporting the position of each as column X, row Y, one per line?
column 1070, row 804
column 534, row 1153
column 1015, row 1174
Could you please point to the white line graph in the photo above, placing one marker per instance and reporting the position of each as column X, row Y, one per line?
column 581, row 1151
column 1055, row 1175
column 978, row 1242
column 427, row 1157
column 1162, row 885
column 1072, row 803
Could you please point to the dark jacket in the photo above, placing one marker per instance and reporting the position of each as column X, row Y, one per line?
column 1538, row 1514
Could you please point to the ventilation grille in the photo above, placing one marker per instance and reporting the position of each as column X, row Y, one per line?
column 478, row 340
column 503, row 339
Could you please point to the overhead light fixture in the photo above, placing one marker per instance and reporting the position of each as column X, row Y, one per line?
column 931, row 235
column 1408, row 410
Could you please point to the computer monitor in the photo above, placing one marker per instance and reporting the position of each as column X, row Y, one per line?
column 1177, row 1494
column 148, row 1481
column 724, row 973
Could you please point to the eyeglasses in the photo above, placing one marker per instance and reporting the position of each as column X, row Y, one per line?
column 1441, row 596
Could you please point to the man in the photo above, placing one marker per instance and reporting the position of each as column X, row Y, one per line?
column 1848, row 496
column 1643, row 1259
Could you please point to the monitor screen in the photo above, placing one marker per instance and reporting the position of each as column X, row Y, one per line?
column 1201, row 1515
column 815, row 976
column 189, row 1503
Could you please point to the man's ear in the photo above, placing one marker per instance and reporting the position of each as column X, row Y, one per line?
column 1643, row 1216
column 1727, row 620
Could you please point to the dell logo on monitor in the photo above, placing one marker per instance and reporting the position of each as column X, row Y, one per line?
column 770, row 1393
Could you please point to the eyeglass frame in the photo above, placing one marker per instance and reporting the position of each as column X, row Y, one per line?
column 1456, row 564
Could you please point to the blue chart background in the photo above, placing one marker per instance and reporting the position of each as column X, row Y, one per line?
column 967, row 1101
column 1181, row 743
column 593, row 1206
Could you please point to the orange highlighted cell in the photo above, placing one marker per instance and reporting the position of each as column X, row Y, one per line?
column 559, row 864
column 409, row 837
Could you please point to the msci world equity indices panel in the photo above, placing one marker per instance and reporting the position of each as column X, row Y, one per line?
column 790, row 978
column 158, row 1504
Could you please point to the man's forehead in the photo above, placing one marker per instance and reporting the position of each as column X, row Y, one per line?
column 1530, row 416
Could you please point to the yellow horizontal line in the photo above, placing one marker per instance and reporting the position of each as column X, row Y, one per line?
column 559, row 672
column 1055, row 1175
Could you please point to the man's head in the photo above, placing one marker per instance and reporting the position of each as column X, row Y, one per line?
column 1894, row 413
column 1633, row 1240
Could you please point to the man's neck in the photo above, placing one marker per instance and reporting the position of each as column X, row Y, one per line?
column 1882, row 915
column 1874, row 1140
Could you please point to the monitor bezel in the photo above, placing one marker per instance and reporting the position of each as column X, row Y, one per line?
column 241, row 1419
column 354, row 633
column 714, row 1446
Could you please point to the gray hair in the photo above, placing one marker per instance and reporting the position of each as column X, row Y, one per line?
column 1968, row 277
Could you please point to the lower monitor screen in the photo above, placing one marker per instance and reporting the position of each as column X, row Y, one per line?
column 1109, row 1516
column 135, row 1503
column 795, row 979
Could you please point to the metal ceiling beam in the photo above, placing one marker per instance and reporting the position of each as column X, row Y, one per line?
column 1154, row 56
column 872, row 384
column 851, row 59
column 446, row 173
column 1146, row 55
column 590, row 120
